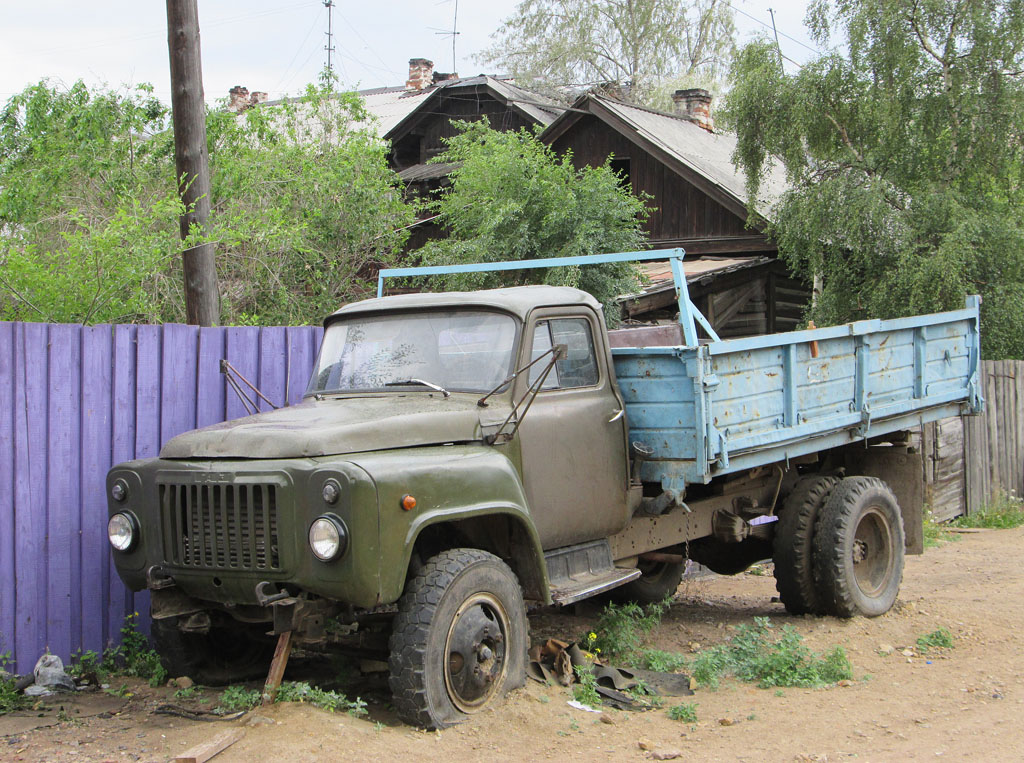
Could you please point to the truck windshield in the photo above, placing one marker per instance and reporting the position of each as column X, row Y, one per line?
column 461, row 351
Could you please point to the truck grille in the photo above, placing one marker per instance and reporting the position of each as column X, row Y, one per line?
column 220, row 526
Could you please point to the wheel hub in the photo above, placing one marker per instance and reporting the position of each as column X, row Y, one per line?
column 475, row 652
column 873, row 559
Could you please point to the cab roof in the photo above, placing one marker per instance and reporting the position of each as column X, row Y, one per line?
column 518, row 300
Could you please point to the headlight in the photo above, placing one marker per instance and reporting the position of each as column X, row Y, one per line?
column 119, row 491
column 328, row 538
column 122, row 531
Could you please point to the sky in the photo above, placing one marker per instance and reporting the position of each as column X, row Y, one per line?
column 277, row 46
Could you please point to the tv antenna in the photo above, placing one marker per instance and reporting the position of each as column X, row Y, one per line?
column 329, row 47
column 454, row 33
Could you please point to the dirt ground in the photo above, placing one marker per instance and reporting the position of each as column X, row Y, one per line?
column 963, row 703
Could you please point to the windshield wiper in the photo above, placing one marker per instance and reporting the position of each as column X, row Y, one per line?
column 407, row 382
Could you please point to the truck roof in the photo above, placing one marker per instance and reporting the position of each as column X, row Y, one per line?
column 519, row 300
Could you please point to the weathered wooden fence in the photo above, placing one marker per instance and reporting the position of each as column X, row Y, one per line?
column 73, row 401
column 968, row 461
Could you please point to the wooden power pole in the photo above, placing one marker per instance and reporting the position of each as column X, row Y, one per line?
column 202, row 300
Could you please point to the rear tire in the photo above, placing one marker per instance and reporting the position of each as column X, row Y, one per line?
column 459, row 639
column 657, row 581
column 794, row 542
column 859, row 549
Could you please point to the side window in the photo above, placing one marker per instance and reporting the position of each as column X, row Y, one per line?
column 579, row 367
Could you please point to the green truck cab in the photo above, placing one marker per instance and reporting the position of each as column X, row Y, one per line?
column 460, row 456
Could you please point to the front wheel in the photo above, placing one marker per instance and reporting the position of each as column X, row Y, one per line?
column 459, row 639
column 859, row 549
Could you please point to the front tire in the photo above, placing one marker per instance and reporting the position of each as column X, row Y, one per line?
column 859, row 549
column 459, row 639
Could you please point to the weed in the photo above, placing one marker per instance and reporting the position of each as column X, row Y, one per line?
column 378, row 726
column 10, row 700
column 87, row 663
column 758, row 570
column 780, row 693
column 621, row 629
column 133, row 657
column 331, row 701
column 573, row 724
column 756, row 655
column 188, row 692
column 661, row 661
column 686, row 712
column 120, row 691
column 1005, row 510
column 585, row 690
column 752, row 717
column 543, row 699
column 937, row 639
column 236, row 698
column 935, row 533
column 644, row 696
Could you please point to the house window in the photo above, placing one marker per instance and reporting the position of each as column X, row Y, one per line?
column 621, row 167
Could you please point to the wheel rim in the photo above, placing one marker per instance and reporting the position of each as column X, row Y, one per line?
column 872, row 552
column 475, row 652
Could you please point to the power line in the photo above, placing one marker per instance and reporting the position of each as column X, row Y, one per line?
column 771, row 26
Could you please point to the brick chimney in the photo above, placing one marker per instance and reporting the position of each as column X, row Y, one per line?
column 238, row 98
column 421, row 72
column 695, row 104
column 444, row 76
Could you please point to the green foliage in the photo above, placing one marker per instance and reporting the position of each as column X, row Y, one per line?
column 585, row 688
column 133, row 657
column 641, row 47
column 332, row 701
column 905, row 156
column 1004, row 512
column 757, row 654
column 235, row 698
column 10, row 700
column 513, row 198
column 935, row 533
column 303, row 204
column 622, row 628
column 686, row 712
column 937, row 639
column 661, row 661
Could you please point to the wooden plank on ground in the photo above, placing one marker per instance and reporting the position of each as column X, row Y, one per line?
column 203, row 752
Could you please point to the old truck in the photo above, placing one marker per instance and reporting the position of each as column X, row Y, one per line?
column 458, row 456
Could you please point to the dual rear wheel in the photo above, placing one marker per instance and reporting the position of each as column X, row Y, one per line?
column 839, row 547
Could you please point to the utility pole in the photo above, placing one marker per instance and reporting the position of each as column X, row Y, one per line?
column 329, row 47
column 188, row 112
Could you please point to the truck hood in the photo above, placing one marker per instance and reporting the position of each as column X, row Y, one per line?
column 339, row 425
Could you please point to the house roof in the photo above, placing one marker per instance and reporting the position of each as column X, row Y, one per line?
column 533, row 106
column 702, row 157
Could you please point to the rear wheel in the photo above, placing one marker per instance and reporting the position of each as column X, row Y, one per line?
column 793, row 546
column 657, row 581
column 459, row 639
column 859, row 549
column 230, row 651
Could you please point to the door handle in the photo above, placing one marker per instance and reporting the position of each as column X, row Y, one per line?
column 618, row 415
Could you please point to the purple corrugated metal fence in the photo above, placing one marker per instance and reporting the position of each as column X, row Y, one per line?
column 73, row 401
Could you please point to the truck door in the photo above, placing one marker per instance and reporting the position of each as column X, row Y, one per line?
column 573, row 439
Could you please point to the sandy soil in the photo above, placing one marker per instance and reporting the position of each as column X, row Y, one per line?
column 965, row 703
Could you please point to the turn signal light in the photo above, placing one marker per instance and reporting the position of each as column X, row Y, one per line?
column 408, row 502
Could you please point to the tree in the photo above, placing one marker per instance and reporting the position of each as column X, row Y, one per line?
column 305, row 207
column 905, row 154
column 512, row 198
column 635, row 46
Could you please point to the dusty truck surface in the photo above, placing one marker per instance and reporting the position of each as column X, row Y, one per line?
column 459, row 456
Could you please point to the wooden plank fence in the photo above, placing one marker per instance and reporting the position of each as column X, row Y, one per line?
column 994, row 441
column 75, row 400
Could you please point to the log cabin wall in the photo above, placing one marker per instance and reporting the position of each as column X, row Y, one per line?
column 679, row 210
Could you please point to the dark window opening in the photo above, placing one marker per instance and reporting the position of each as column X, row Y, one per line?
column 621, row 167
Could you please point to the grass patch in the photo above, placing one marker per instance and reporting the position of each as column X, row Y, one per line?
column 332, row 701
column 10, row 700
column 686, row 712
column 585, row 688
column 1005, row 511
column 937, row 639
column 935, row 533
column 662, row 661
column 622, row 629
column 760, row 654
column 235, row 698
